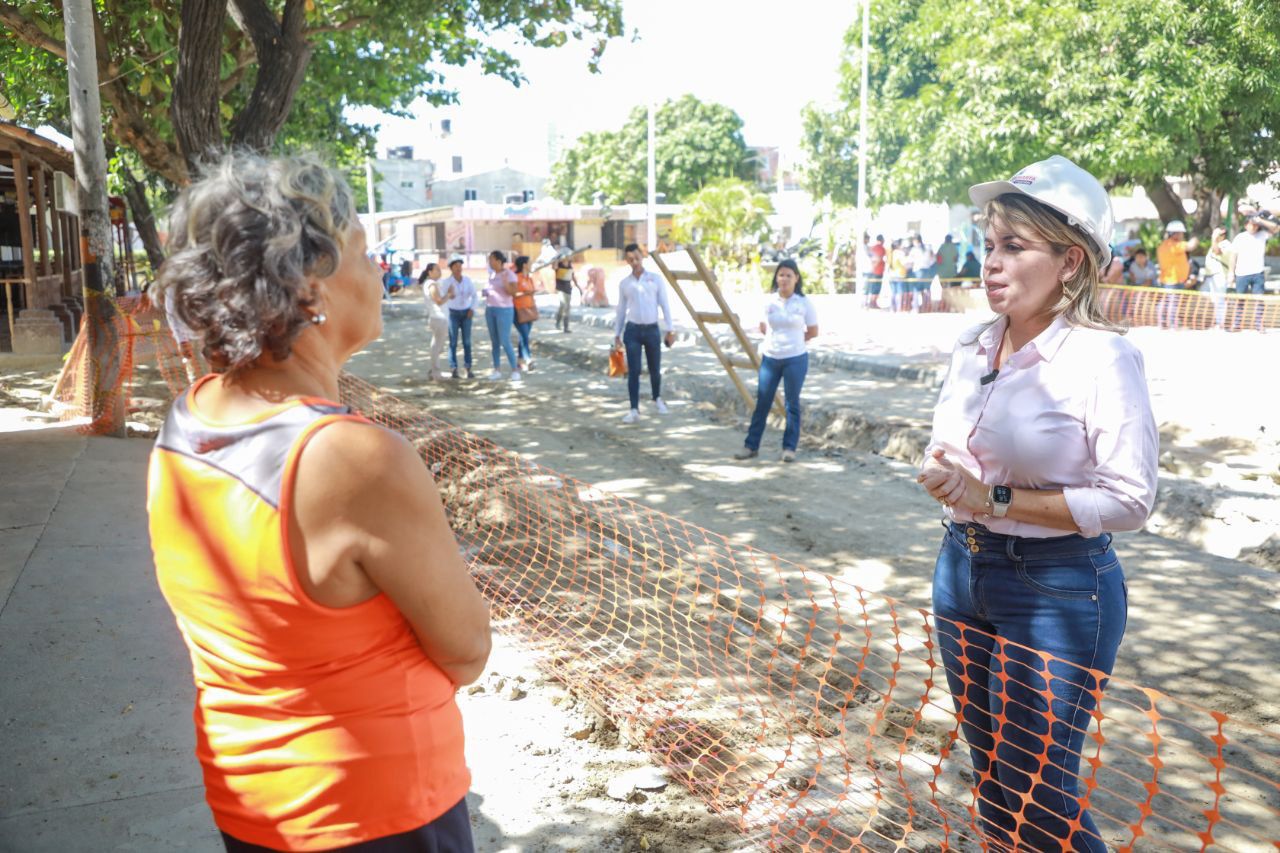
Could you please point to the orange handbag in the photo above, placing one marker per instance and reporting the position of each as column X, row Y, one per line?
column 617, row 362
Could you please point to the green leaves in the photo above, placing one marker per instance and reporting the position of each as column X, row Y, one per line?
column 1133, row 90
column 728, row 218
column 379, row 53
column 695, row 143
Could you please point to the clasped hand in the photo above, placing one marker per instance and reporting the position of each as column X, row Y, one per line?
column 951, row 485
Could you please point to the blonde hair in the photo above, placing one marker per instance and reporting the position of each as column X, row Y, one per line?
column 1033, row 220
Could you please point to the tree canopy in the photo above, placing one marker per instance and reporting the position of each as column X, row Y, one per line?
column 729, row 217
column 695, row 143
column 1132, row 90
column 180, row 80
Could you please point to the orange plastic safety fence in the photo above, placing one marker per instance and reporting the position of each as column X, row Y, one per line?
column 816, row 713
column 1189, row 309
column 97, row 379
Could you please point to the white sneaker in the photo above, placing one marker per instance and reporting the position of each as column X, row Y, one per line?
column 660, row 406
column 515, row 376
column 631, row 416
column 494, row 375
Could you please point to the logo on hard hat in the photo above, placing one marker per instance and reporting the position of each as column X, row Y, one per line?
column 1023, row 179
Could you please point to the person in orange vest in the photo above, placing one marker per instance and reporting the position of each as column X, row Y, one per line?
column 1175, row 269
column 303, row 549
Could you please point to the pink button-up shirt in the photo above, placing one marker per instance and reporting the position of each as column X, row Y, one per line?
column 495, row 295
column 1068, row 411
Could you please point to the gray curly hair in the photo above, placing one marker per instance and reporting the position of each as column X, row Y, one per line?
column 243, row 241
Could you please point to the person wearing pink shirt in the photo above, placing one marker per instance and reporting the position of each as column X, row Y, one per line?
column 500, row 313
column 1043, row 445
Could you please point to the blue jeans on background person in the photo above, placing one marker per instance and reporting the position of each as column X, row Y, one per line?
column 1167, row 313
column 896, row 288
column 459, row 322
column 790, row 373
column 1066, row 595
column 636, row 337
column 1216, row 286
column 1254, row 283
column 522, row 349
column 499, row 321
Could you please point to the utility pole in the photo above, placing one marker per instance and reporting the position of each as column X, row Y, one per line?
column 863, row 219
column 652, row 211
column 103, row 383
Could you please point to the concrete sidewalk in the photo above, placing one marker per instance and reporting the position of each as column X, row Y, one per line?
column 97, row 752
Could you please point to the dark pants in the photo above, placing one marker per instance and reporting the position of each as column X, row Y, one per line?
column 634, row 338
column 790, row 373
column 449, row 833
column 459, row 322
column 1066, row 596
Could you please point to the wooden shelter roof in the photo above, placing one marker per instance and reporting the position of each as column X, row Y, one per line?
column 14, row 137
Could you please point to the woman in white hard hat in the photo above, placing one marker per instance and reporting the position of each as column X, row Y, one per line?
column 1043, row 445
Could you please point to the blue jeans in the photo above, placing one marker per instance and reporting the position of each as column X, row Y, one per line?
column 1066, row 596
column 459, row 322
column 1254, row 283
column 635, row 338
column 790, row 372
column 499, row 321
column 1167, row 313
column 523, row 350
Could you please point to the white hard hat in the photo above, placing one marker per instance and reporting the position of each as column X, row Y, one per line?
column 1177, row 226
column 1065, row 187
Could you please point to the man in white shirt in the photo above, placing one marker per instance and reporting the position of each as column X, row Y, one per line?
column 1250, row 250
column 462, row 308
column 641, row 296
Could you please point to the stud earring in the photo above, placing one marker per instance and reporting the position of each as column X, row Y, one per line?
column 319, row 318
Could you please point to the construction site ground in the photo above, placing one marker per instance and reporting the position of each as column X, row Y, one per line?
column 97, row 752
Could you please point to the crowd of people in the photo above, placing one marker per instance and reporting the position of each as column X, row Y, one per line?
column 906, row 268
column 1228, row 265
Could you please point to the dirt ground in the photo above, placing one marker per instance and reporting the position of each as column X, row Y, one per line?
column 1202, row 626
column 858, row 515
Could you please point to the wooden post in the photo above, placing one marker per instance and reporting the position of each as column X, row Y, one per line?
column 20, row 180
column 42, row 216
column 55, row 237
column 8, row 298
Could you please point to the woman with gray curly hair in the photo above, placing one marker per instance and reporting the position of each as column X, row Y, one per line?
column 304, row 550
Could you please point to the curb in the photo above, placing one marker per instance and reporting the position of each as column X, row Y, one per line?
column 825, row 426
column 881, row 367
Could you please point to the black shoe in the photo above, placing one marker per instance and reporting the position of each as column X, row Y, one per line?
column 454, row 373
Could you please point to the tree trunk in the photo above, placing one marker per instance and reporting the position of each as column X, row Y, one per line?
column 196, row 120
column 1208, row 208
column 283, row 54
column 143, row 219
column 1167, row 202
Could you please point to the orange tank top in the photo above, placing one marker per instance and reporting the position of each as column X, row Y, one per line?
column 316, row 727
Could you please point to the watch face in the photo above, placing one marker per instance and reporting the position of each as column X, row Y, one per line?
column 1002, row 494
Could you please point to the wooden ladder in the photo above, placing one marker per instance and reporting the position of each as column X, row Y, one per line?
column 706, row 319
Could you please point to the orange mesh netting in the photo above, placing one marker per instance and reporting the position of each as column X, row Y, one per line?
column 1188, row 309
column 815, row 713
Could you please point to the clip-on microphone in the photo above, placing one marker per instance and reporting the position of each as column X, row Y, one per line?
column 989, row 378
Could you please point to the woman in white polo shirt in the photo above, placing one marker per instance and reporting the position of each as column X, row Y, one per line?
column 1043, row 445
column 790, row 321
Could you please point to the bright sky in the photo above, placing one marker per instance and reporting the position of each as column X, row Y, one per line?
column 764, row 64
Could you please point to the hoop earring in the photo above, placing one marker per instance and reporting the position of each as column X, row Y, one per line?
column 319, row 318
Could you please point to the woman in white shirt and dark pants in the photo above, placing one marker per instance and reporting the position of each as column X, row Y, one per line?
column 790, row 321
column 1043, row 445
